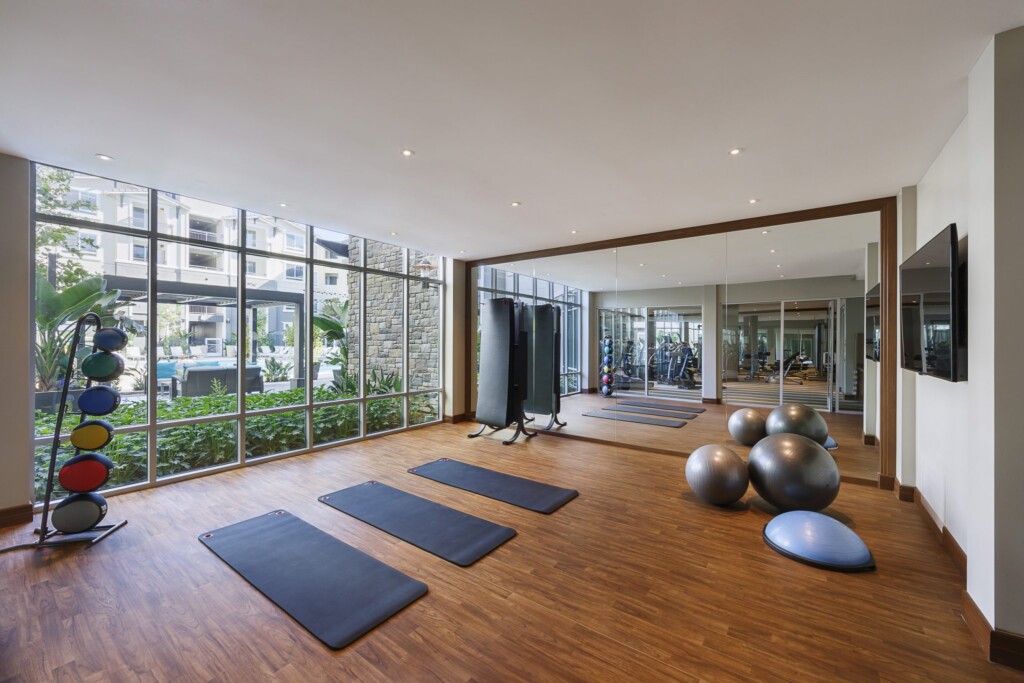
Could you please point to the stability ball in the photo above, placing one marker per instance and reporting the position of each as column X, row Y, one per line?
column 795, row 418
column 110, row 339
column 716, row 474
column 747, row 426
column 79, row 512
column 793, row 472
column 103, row 366
column 85, row 472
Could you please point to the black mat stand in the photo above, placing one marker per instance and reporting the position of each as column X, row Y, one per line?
column 450, row 534
column 336, row 592
column 503, row 377
column 543, row 362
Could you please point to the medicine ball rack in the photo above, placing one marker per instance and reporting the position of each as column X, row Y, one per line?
column 48, row 537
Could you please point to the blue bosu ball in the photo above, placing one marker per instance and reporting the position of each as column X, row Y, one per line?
column 818, row 540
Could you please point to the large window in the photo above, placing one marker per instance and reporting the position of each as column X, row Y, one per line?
column 251, row 336
column 498, row 283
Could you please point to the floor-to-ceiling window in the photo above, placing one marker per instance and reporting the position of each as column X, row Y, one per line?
column 250, row 335
column 497, row 283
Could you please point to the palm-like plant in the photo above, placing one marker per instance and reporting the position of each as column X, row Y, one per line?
column 333, row 322
column 56, row 313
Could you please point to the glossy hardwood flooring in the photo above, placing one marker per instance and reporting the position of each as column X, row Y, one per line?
column 633, row 581
column 857, row 462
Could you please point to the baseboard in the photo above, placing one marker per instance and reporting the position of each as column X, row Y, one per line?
column 905, row 493
column 942, row 533
column 1001, row 647
column 712, row 401
column 591, row 390
column 13, row 516
column 455, row 419
column 955, row 552
column 887, row 482
column 869, row 440
column 936, row 524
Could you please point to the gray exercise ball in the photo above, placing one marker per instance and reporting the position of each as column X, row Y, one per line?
column 717, row 475
column 795, row 418
column 793, row 472
column 747, row 426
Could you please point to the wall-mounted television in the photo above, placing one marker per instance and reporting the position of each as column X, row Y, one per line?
column 873, row 323
column 933, row 308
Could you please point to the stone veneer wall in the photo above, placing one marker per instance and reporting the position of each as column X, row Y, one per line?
column 384, row 313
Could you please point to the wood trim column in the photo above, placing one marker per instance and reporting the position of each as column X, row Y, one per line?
column 890, row 357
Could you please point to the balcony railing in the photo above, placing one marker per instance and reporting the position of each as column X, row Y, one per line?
column 203, row 235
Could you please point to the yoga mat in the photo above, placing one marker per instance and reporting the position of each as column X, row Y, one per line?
column 652, row 411
column 639, row 419
column 662, row 406
column 451, row 535
column 524, row 493
column 335, row 591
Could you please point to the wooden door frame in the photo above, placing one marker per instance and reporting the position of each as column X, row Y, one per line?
column 884, row 206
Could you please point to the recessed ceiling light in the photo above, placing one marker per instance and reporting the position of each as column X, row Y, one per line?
column 407, row 152
column 765, row 232
column 462, row 251
column 104, row 157
column 736, row 151
column 773, row 251
column 514, row 204
column 642, row 265
column 927, row 263
column 573, row 231
column 679, row 283
column 782, row 276
column 393, row 234
column 663, row 274
column 511, row 264
column 282, row 205
column 778, row 265
column 752, row 200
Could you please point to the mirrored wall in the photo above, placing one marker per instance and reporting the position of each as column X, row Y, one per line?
column 689, row 329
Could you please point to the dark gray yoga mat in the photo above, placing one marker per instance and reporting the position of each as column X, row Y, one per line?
column 662, row 406
column 336, row 592
column 639, row 419
column 652, row 411
column 447, row 533
column 524, row 493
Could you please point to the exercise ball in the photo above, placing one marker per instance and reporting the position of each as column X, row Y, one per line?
column 607, row 379
column 795, row 418
column 79, row 512
column 608, row 360
column 110, row 339
column 103, row 366
column 793, row 472
column 747, row 426
column 717, row 475
column 99, row 400
column 606, row 390
column 91, row 435
column 85, row 472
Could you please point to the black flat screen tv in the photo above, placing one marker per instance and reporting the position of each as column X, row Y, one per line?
column 873, row 323
column 933, row 311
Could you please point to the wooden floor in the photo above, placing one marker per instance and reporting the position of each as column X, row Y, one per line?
column 632, row 581
column 857, row 463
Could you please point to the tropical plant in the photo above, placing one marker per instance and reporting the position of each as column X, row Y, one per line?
column 277, row 370
column 56, row 313
column 333, row 322
column 53, row 186
column 344, row 383
column 380, row 382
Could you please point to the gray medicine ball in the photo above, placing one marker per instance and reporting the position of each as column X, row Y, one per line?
column 794, row 418
column 717, row 475
column 747, row 426
column 793, row 472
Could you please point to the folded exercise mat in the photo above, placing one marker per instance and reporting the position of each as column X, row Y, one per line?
column 652, row 411
column 451, row 535
column 336, row 592
column 639, row 419
column 524, row 493
column 662, row 406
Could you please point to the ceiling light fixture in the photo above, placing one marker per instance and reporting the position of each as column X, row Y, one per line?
column 642, row 265
column 663, row 274
column 462, row 251
column 782, row 276
column 407, row 152
column 679, row 283
column 778, row 265
column 104, row 157
column 515, row 204
column 282, row 205
column 753, row 200
column 773, row 251
column 736, row 151
column 393, row 234
column 573, row 231
column 765, row 232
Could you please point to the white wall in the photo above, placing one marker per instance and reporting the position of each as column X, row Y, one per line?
column 15, row 279
column 872, row 387
column 906, row 380
column 455, row 338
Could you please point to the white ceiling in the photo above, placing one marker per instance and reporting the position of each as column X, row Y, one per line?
column 608, row 117
column 822, row 248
